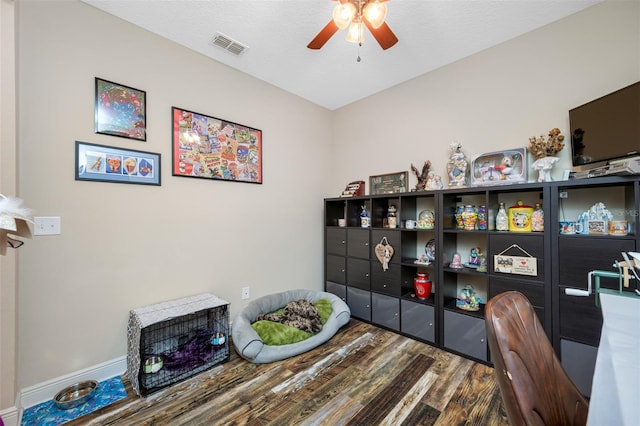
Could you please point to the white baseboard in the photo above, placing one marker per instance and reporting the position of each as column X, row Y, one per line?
column 45, row 391
column 9, row 416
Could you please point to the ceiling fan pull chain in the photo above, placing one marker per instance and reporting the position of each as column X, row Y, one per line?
column 359, row 46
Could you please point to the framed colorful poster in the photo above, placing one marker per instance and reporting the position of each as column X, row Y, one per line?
column 213, row 148
column 110, row 164
column 120, row 110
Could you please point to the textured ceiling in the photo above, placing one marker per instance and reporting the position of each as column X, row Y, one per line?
column 431, row 34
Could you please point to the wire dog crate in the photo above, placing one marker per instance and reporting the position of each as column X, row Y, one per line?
column 171, row 341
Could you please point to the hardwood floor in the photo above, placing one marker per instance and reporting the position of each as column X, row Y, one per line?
column 363, row 376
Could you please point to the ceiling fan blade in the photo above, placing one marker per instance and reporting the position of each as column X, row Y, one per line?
column 386, row 38
column 323, row 36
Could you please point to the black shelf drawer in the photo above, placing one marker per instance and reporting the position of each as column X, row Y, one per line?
column 465, row 334
column 534, row 291
column 337, row 241
column 578, row 255
column 358, row 273
column 336, row 269
column 339, row 290
column 417, row 320
column 358, row 243
column 580, row 319
column 531, row 243
column 386, row 281
column 385, row 311
column 359, row 302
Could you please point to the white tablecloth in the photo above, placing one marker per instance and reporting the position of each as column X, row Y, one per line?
column 615, row 393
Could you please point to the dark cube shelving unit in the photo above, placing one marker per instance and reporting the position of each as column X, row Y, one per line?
column 386, row 297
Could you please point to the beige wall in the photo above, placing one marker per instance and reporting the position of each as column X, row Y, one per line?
column 493, row 100
column 124, row 246
column 8, row 187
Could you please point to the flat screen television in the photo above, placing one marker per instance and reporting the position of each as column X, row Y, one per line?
column 606, row 128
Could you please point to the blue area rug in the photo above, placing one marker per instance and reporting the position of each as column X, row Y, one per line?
column 46, row 413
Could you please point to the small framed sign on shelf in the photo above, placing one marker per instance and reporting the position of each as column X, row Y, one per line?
column 390, row 183
column 354, row 189
column 519, row 265
column 597, row 227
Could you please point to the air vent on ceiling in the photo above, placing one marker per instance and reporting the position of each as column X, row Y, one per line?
column 228, row 44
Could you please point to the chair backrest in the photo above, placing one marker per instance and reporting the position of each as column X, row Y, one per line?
column 534, row 387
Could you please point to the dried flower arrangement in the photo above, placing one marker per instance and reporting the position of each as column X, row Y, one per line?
column 541, row 148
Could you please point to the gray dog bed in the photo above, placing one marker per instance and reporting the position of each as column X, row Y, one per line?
column 249, row 345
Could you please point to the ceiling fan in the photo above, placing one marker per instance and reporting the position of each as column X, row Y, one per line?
column 356, row 14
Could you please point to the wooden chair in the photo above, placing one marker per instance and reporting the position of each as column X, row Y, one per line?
column 535, row 388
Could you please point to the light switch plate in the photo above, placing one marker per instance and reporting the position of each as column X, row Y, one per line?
column 47, row 225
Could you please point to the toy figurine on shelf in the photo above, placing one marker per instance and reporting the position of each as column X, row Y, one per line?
column 434, row 181
column 543, row 166
column 483, row 264
column 391, row 216
column 475, row 257
column 456, row 263
column 365, row 220
column 458, row 167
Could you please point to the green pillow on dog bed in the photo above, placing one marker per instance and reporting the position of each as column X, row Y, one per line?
column 274, row 333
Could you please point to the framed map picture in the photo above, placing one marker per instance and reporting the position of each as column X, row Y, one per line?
column 213, row 148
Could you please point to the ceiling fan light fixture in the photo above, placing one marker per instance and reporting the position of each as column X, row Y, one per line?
column 343, row 13
column 375, row 12
column 354, row 15
column 355, row 33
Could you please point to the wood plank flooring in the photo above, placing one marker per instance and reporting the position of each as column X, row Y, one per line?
column 363, row 376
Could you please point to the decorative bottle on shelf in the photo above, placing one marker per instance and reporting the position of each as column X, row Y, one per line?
column 502, row 219
column 365, row 220
column 391, row 216
column 458, row 217
column 537, row 219
column 482, row 218
column 469, row 218
column 422, row 285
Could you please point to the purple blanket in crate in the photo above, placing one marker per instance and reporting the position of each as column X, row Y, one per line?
column 197, row 351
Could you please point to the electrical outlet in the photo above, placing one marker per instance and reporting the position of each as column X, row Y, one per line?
column 245, row 293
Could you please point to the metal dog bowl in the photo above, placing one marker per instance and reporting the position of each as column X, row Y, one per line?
column 76, row 394
column 153, row 364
